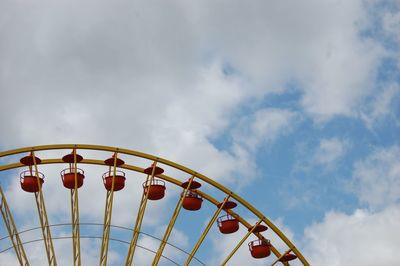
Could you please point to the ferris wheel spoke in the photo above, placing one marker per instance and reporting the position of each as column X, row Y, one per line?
column 240, row 243
column 108, row 213
column 204, row 234
column 281, row 256
column 139, row 217
column 12, row 231
column 43, row 218
column 76, row 238
column 75, row 227
column 171, row 224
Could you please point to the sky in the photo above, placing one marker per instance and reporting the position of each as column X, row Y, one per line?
column 294, row 105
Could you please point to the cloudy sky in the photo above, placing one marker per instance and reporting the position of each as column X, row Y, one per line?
column 294, row 105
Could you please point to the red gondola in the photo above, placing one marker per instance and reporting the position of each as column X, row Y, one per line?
column 193, row 185
column 155, row 189
column 30, row 160
column 157, row 170
column 111, row 161
column 260, row 248
column 259, row 228
column 227, row 205
column 119, row 180
column 71, row 158
column 29, row 182
column 288, row 257
column 68, row 177
column 228, row 224
column 192, row 201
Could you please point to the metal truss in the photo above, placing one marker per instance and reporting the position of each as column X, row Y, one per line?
column 239, row 244
column 204, row 234
column 12, row 231
column 171, row 224
column 44, row 221
column 107, row 216
column 76, row 236
column 139, row 217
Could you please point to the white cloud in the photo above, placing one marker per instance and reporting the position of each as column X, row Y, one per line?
column 264, row 127
column 114, row 66
column 326, row 156
column 382, row 105
column 316, row 43
column 376, row 180
column 366, row 236
column 391, row 24
column 8, row 257
column 330, row 90
column 330, row 151
column 256, row 131
column 361, row 238
column 113, row 76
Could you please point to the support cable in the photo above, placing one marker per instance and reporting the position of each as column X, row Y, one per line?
column 98, row 237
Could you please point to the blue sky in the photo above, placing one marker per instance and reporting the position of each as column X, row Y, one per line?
column 293, row 105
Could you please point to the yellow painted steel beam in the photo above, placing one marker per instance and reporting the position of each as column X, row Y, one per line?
column 240, row 243
column 107, row 216
column 139, row 217
column 204, row 178
column 76, row 237
column 75, row 227
column 43, row 218
column 204, row 234
column 171, row 224
column 12, row 231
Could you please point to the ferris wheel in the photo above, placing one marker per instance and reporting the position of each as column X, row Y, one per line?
column 157, row 176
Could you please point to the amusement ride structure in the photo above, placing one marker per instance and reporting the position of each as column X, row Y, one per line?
column 192, row 198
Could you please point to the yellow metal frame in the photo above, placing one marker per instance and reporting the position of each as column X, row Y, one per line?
column 240, row 243
column 76, row 236
column 12, row 230
column 204, row 178
column 107, row 216
column 204, row 234
column 139, row 217
column 171, row 223
column 44, row 221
